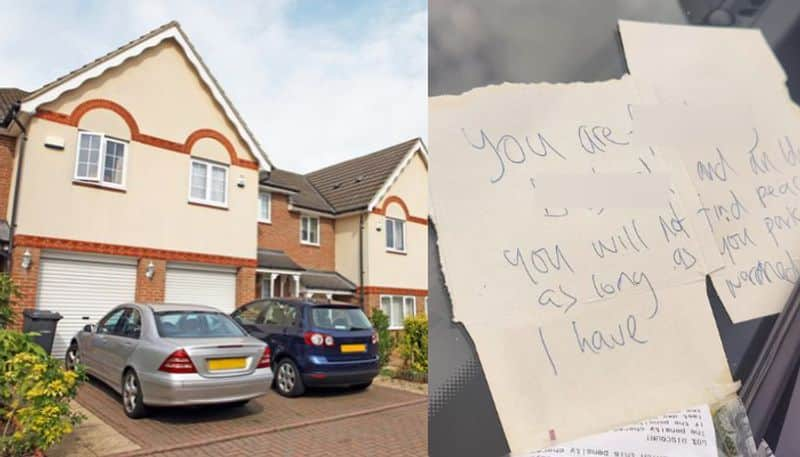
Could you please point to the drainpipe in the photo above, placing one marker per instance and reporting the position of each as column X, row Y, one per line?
column 361, row 257
column 12, row 226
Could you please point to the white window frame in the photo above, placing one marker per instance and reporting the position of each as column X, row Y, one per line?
column 319, row 231
column 403, row 298
column 101, row 164
column 268, row 219
column 394, row 221
column 207, row 199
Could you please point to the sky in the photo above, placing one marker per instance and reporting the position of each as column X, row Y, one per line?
column 317, row 81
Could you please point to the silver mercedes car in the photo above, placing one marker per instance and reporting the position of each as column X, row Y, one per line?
column 164, row 355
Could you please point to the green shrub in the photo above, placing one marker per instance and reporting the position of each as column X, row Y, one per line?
column 9, row 292
column 414, row 344
column 380, row 322
column 35, row 394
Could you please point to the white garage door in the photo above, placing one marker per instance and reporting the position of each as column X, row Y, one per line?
column 83, row 289
column 201, row 286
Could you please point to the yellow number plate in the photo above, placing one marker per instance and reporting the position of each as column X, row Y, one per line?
column 226, row 364
column 354, row 348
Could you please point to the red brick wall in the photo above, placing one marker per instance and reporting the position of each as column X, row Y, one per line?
column 26, row 280
column 245, row 285
column 284, row 234
column 151, row 290
column 7, row 144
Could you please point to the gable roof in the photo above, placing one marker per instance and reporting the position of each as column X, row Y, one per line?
column 9, row 96
column 356, row 184
column 303, row 195
column 171, row 30
column 353, row 185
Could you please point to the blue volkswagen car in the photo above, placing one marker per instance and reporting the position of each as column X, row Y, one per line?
column 313, row 344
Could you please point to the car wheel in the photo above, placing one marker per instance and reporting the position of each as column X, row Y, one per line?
column 362, row 386
column 287, row 379
column 132, row 396
column 73, row 357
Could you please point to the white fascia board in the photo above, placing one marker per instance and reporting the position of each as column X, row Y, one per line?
column 31, row 104
column 418, row 146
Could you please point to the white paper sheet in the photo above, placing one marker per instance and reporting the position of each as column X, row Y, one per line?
column 697, row 64
column 741, row 159
column 584, row 318
column 688, row 433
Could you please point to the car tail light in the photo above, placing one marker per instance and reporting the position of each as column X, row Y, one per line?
column 318, row 339
column 178, row 362
column 265, row 359
column 375, row 338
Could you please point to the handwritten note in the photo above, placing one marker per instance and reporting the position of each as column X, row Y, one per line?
column 742, row 160
column 689, row 433
column 585, row 318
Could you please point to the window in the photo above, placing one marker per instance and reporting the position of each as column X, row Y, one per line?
column 208, row 183
column 395, row 235
column 339, row 318
column 250, row 314
column 264, row 207
column 131, row 325
column 309, row 230
column 280, row 314
column 109, row 323
column 101, row 159
column 398, row 308
column 196, row 324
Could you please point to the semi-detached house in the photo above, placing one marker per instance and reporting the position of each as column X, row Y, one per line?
column 134, row 178
column 353, row 231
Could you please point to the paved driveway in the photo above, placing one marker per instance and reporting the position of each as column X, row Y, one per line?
column 380, row 421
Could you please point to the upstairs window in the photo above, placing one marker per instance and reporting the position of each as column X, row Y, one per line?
column 208, row 183
column 264, row 207
column 101, row 159
column 395, row 235
column 309, row 230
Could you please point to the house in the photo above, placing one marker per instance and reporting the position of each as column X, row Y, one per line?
column 130, row 178
column 354, row 231
column 133, row 178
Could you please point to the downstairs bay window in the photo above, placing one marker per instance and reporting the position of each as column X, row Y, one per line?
column 398, row 308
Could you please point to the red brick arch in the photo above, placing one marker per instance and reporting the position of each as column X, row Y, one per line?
column 89, row 105
column 74, row 118
column 395, row 199
column 198, row 135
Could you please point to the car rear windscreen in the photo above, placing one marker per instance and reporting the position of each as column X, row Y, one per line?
column 338, row 318
column 196, row 324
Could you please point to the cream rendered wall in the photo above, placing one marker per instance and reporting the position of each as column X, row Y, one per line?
column 409, row 270
column 167, row 100
column 347, row 247
column 163, row 93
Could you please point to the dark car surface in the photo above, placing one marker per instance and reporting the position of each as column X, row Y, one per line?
column 313, row 344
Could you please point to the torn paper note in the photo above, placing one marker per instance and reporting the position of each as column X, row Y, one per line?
column 584, row 318
column 746, row 171
column 741, row 160
column 687, row 64
column 688, row 433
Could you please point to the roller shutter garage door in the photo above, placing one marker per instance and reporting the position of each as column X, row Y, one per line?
column 83, row 289
column 201, row 286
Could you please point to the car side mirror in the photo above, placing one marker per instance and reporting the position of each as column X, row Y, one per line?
column 89, row 328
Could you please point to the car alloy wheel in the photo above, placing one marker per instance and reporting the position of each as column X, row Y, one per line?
column 73, row 358
column 130, row 392
column 286, row 377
